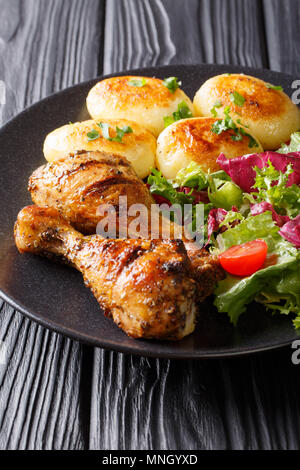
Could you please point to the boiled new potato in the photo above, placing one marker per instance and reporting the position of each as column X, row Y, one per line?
column 193, row 140
column 269, row 113
column 148, row 103
column 138, row 146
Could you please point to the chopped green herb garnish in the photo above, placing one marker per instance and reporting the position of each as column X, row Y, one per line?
column 222, row 125
column 105, row 129
column 213, row 111
column 119, row 132
column 172, row 83
column 137, row 82
column 252, row 141
column 237, row 99
column 225, row 124
column 93, row 135
column 127, row 130
column 240, row 122
column 274, row 87
column 168, row 120
column 237, row 137
column 183, row 112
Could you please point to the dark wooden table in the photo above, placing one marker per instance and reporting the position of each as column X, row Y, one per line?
column 58, row 394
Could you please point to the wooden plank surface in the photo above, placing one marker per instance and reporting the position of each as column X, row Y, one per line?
column 45, row 388
column 173, row 405
column 159, row 32
column 152, row 404
column 282, row 19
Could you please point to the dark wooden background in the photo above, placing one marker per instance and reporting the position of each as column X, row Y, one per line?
column 56, row 393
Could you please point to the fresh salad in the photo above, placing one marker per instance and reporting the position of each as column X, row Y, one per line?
column 252, row 222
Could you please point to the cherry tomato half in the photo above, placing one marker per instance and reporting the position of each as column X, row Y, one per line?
column 245, row 259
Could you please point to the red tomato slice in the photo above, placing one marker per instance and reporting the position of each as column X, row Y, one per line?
column 245, row 259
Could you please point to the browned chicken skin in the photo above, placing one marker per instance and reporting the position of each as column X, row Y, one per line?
column 144, row 285
column 77, row 185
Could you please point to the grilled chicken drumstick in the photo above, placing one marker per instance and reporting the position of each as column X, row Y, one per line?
column 77, row 185
column 145, row 286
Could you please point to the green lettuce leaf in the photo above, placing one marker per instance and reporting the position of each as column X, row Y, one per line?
column 293, row 146
column 285, row 199
column 162, row 187
column 192, row 177
column 253, row 227
column 226, row 195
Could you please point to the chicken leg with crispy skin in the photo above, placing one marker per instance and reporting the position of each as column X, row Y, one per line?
column 77, row 185
column 145, row 285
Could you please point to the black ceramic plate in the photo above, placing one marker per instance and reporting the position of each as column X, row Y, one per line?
column 54, row 295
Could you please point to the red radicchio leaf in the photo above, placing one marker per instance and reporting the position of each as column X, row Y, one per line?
column 161, row 200
column 200, row 196
column 215, row 217
column 291, row 231
column 241, row 171
column 261, row 207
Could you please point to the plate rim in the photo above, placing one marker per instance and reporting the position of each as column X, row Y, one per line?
column 132, row 71
column 90, row 341
column 106, row 344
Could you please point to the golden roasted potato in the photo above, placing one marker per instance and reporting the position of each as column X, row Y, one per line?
column 269, row 113
column 147, row 104
column 138, row 146
column 193, row 140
